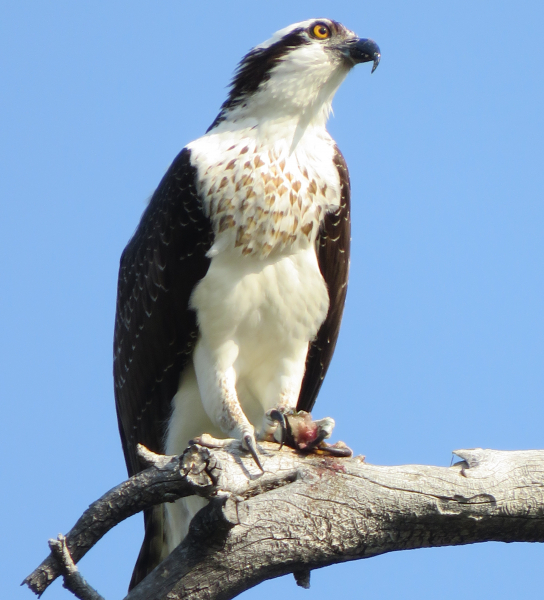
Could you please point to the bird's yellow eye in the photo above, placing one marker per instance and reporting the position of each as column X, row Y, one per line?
column 321, row 31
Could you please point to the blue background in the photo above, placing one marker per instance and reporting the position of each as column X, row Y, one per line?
column 442, row 344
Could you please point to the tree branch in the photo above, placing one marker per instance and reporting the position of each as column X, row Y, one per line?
column 311, row 511
column 167, row 479
column 73, row 580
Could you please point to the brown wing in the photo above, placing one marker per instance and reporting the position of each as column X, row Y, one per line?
column 155, row 330
column 333, row 244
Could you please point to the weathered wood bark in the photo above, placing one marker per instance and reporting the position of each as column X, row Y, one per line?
column 307, row 512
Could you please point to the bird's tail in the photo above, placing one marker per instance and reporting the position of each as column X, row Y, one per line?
column 154, row 547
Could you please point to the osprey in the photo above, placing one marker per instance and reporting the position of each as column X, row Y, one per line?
column 231, row 291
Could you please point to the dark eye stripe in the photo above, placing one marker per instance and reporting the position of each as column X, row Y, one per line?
column 254, row 69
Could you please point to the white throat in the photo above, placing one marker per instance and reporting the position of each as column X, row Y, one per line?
column 295, row 98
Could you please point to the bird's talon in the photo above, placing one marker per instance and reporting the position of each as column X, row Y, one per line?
column 339, row 450
column 251, row 447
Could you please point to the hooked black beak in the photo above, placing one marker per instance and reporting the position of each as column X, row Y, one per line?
column 363, row 51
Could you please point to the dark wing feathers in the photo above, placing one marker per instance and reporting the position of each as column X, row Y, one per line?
column 333, row 245
column 154, row 329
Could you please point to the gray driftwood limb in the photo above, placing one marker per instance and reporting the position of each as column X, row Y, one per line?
column 166, row 479
column 73, row 579
column 307, row 512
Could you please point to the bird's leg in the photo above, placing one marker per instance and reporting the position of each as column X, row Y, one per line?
column 296, row 429
column 220, row 399
column 234, row 422
column 283, row 394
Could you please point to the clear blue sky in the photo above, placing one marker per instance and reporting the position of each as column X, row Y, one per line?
column 442, row 345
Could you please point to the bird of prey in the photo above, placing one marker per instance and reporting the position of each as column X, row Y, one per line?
column 232, row 289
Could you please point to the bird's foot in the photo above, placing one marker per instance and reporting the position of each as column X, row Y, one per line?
column 299, row 431
column 248, row 443
column 208, row 441
column 275, row 426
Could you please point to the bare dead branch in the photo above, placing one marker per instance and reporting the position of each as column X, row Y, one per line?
column 196, row 472
column 73, row 580
column 307, row 512
column 343, row 509
column 164, row 482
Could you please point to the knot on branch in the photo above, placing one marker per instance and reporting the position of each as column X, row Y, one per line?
column 302, row 578
column 201, row 469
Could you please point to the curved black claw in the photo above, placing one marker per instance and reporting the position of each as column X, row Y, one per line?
column 249, row 443
column 279, row 418
column 339, row 449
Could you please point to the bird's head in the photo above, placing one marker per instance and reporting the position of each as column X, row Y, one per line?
column 294, row 75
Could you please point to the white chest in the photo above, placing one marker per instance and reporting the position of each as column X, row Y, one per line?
column 263, row 298
column 261, row 302
column 258, row 317
column 263, row 199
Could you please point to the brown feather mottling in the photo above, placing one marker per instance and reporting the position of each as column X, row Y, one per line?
column 290, row 196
